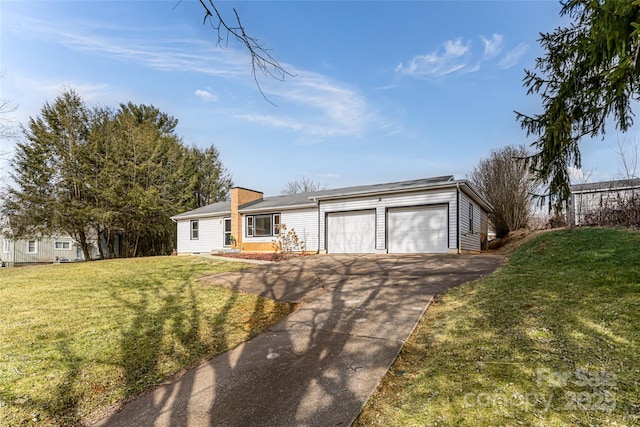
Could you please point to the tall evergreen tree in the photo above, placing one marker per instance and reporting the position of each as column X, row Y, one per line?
column 115, row 175
column 590, row 73
column 145, row 183
column 49, row 195
column 209, row 180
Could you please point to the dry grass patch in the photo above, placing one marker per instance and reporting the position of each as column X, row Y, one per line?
column 550, row 339
column 78, row 338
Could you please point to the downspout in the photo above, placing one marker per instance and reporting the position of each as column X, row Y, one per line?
column 458, row 215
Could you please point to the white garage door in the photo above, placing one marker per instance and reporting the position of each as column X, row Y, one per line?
column 351, row 232
column 418, row 229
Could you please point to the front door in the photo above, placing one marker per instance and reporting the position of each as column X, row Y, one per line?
column 227, row 231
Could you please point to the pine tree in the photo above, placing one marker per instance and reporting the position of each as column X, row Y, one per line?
column 209, row 181
column 590, row 74
column 112, row 175
column 49, row 195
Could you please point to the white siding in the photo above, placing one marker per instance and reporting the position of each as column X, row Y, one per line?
column 210, row 235
column 304, row 221
column 469, row 241
column 45, row 250
column 383, row 201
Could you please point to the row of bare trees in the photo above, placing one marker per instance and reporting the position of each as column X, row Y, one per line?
column 506, row 181
column 619, row 212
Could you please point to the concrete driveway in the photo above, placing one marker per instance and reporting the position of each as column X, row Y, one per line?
column 318, row 366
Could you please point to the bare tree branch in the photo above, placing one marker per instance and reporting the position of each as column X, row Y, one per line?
column 7, row 129
column 261, row 59
column 303, row 185
column 628, row 157
column 507, row 184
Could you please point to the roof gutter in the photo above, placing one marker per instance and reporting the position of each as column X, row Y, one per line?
column 375, row 193
column 278, row 208
column 177, row 218
column 473, row 193
column 604, row 190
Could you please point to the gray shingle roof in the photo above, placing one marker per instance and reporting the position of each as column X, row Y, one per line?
column 606, row 185
column 306, row 199
column 209, row 210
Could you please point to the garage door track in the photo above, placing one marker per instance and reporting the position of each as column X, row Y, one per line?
column 318, row 366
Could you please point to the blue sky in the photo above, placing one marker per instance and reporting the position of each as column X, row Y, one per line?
column 383, row 91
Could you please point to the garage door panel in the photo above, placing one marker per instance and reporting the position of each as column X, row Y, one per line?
column 351, row 232
column 418, row 229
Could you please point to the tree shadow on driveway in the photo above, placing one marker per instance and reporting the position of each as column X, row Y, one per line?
column 319, row 365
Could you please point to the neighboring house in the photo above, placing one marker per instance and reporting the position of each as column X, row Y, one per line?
column 590, row 198
column 44, row 249
column 432, row 215
column 47, row 249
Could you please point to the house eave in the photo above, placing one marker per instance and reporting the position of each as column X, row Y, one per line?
column 278, row 208
column 381, row 192
column 475, row 195
column 438, row 186
column 199, row 216
column 605, row 190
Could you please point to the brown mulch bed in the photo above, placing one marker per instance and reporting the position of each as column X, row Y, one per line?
column 269, row 256
column 260, row 257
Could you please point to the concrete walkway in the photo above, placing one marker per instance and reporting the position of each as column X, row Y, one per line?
column 318, row 366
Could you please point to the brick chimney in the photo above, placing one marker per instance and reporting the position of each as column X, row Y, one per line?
column 239, row 197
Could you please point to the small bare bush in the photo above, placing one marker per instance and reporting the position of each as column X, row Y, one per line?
column 287, row 243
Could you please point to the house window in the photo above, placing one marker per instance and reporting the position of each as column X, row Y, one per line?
column 6, row 246
column 227, row 231
column 250, row 226
column 263, row 225
column 276, row 224
column 32, row 247
column 470, row 217
column 62, row 246
column 194, row 229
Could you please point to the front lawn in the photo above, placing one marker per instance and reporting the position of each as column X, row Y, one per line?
column 78, row 338
column 551, row 339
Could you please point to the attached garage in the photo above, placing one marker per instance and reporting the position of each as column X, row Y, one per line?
column 418, row 229
column 351, row 232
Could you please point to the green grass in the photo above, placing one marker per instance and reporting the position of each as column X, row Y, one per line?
column 552, row 338
column 78, row 338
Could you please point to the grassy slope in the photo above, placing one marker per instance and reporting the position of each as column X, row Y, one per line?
column 77, row 338
column 552, row 338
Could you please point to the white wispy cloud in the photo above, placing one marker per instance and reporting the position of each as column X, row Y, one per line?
column 32, row 93
column 206, row 95
column 492, row 47
column 90, row 92
column 151, row 48
column 320, row 106
column 278, row 122
column 458, row 57
column 334, row 108
column 323, row 108
column 454, row 57
column 512, row 57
